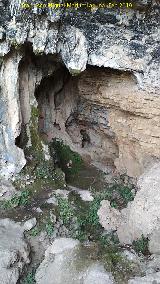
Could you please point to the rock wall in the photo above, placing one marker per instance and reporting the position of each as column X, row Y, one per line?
column 141, row 217
column 116, row 106
column 11, row 157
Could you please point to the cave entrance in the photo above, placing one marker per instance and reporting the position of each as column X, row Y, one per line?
column 68, row 113
column 71, row 108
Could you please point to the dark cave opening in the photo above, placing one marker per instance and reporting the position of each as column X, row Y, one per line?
column 69, row 107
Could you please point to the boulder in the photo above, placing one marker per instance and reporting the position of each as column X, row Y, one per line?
column 142, row 215
column 14, row 251
column 66, row 262
column 153, row 278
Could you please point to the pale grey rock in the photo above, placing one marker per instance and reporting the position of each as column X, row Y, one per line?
column 109, row 217
column 141, row 217
column 62, row 193
column 153, row 278
column 97, row 274
column 29, row 224
column 47, row 155
column 51, row 41
column 85, row 195
column 11, row 157
column 154, row 242
column 64, row 262
column 40, row 37
column 131, row 256
column 52, row 200
column 4, row 48
column 73, row 42
column 14, row 251
column 153, row 265
column 38, row 210
column 1, row 33
column 7, row 190
column 16, row 35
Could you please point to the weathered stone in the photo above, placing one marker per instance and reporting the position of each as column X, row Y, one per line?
column 73, row 42
column 142, row 216
column 109, row 217
column 4, row 48
column 149, row 279
column 154, row 242
column 29, row 224
column 85, row 195
column 14, row 251
column 11, row 158
column 119, row 112
column 65, row 262
column 97, row 274
column 7, row 190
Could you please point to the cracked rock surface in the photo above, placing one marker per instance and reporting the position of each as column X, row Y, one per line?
column 14, row 251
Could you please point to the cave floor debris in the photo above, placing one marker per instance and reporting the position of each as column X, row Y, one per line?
column 61, row 210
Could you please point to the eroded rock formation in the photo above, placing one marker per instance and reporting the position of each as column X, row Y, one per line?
column 108, row 114
column 14, row 251
column 142, row 215
column 66, row 262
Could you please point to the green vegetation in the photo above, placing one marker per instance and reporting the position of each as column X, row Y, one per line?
column 80, row 218
column 36, row 149
column 85, row 213
column 88, row 214
column 119, row 195
column 119, row 266
column 109, row 251
column 49, row 228
column 34, row 232
column 44, row 170
column 30, row 278
column 45, row 224
column 69, row 161
column 17, row 200
column 65, row 210
column 141, row 245
column 74, row 72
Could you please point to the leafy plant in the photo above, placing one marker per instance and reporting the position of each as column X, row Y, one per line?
column 108, row 240
column 113, row 204
column 44, row 170
column 49, row 228
column 70, row 162
column 92, row 216
column 141, row 245
column 126, row 194
column 118, row 195
column 66, row 212
column 17, row 200
column 30, row 278
column 34, row 232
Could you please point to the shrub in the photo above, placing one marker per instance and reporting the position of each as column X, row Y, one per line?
column 69, row 161
column 66, row 212
column 17, row 200
column 141, row 245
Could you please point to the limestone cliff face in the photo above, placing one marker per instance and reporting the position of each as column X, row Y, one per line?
column 120, row 101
